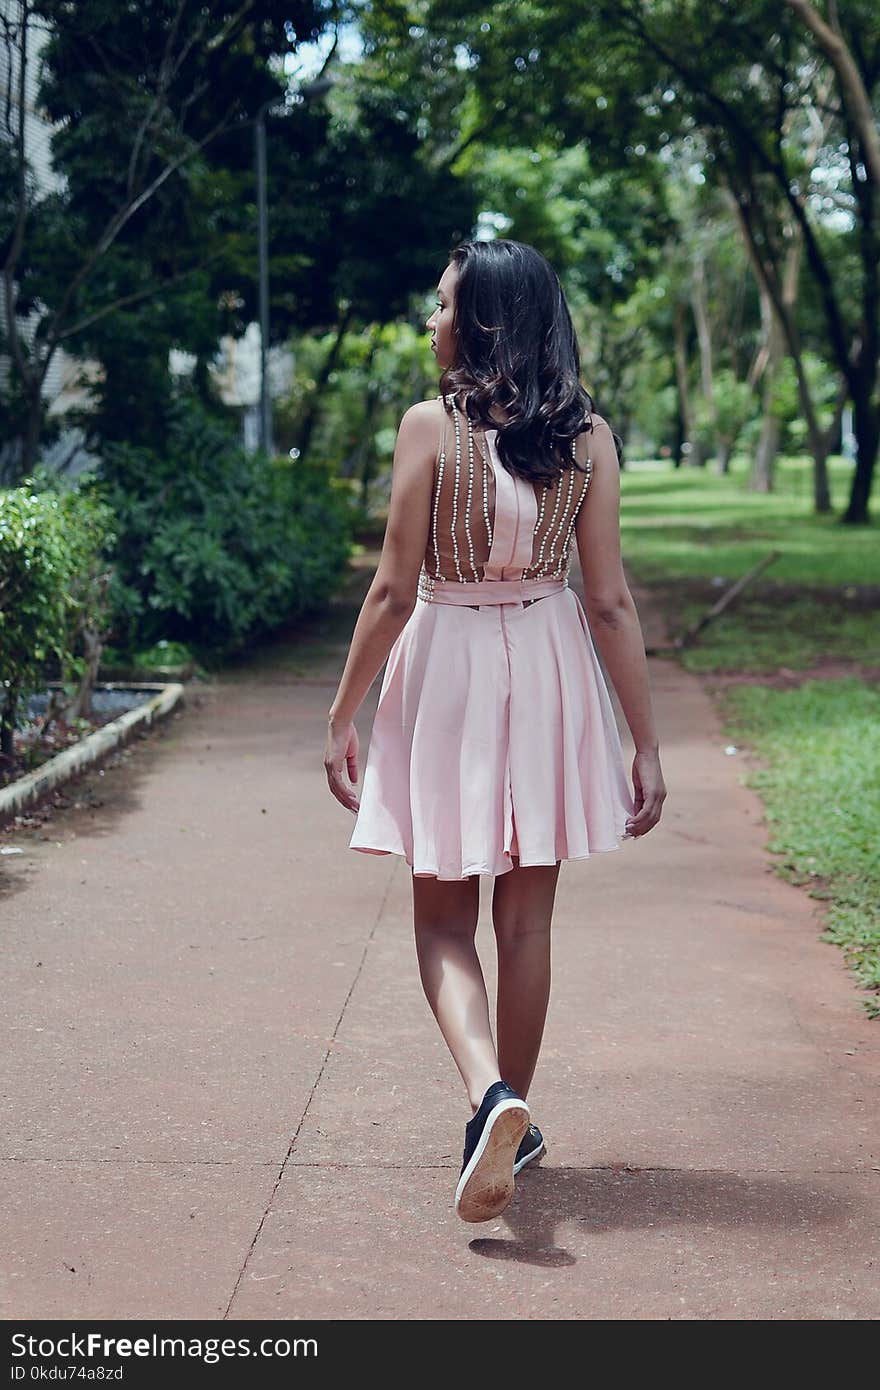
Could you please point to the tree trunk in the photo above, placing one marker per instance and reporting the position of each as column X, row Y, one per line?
column 8, row 712
column 704, row 338
column 685, row 405
column 865, row 428
column 80, row 706
column 821, row 489
column 818, row 445
column 761, row 476
column 310, row 419
column 366, row 454
column 769, row 362
column 680, row 437
column 203, row 382
column 30, row 444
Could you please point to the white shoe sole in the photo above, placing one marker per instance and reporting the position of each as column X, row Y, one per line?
column 486, row 1186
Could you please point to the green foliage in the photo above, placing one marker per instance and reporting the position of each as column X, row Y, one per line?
column 785, row 402
column 137, row 99
column 217, row 546
column 148, row 242
column 723, row 96
column 351, row 413
column 164, row 653
column 604, row 233
column 821, row 786
column 733, row 400
column 52, row 579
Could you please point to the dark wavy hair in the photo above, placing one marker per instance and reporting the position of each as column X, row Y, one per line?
column 517, row 349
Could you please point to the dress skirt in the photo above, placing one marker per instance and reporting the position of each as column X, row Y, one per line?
column 494, row 736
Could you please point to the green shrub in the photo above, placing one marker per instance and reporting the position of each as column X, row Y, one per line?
column 216, row 546
column 53, row 580
column 164, row 653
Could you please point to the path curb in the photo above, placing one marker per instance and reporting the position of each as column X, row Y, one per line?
column 28, row 790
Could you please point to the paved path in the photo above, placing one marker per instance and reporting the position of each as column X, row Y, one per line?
column 228, row 1098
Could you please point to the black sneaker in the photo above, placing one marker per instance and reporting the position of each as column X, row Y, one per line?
column 531, row 1148
column 491, row 1140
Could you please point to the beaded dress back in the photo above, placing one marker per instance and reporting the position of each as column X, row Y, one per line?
column 494, row 741
column 463, row 512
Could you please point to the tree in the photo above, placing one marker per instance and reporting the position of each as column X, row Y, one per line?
column 364, row 208
column 140, row 95
column 761, row 95
column 749, row 79
column 830, row 39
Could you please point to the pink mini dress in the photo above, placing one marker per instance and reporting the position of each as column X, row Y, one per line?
column 494, row 735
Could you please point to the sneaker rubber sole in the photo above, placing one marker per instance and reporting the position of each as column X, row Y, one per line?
column 486, row 1186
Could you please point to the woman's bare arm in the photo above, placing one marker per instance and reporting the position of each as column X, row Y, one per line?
column 614, row 621
column 391, row 596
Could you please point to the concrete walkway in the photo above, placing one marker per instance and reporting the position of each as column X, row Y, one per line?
column 227, row 1097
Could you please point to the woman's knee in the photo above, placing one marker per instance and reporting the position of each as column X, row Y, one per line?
column 513, row 929
column 522, row 906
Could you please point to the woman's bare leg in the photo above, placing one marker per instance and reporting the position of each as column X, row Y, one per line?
column 522, row 907
column 445, row 917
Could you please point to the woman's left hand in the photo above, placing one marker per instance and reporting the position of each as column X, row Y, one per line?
column 342, row 752
column 649, row 794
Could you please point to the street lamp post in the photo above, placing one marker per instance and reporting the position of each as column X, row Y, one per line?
column 311, row 89
column 265, row 432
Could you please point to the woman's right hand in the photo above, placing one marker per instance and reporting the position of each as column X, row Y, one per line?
column 341, row 752
column 649, row 794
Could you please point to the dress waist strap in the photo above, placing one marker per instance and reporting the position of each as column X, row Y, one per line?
column 480, row 591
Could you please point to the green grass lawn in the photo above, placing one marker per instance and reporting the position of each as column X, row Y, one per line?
column 763, row 634
column 689, row 524
column 688, row 535
column 820, row 783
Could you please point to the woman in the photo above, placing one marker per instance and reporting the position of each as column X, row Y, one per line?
column 494, row 747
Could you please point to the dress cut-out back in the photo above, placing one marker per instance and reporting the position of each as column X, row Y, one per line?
column 464, row 504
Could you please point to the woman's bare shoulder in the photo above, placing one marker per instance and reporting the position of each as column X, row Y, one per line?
column 598, row 426
column 419, row 429
column 596, row 433
column 420, row 414
column 426, row 413
column 605, row 443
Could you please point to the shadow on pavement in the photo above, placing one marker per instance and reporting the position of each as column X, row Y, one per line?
column 600, row 1200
